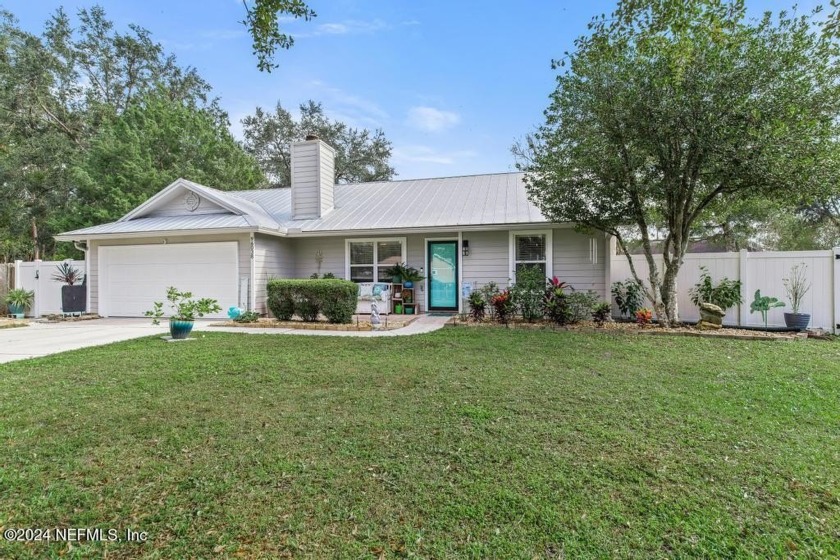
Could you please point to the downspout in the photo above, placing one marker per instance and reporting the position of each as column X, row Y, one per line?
column 84, row 250
column 252, row 296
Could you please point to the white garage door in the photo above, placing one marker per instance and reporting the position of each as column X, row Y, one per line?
column 132, row 277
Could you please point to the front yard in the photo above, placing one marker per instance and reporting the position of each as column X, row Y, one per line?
column 465, row 442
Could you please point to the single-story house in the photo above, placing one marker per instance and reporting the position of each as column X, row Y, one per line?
column 461, row 232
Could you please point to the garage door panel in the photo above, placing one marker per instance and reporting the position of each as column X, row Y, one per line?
column 133, row 277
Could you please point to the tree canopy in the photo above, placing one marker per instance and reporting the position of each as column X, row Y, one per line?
column 155, row 141
column 668, row 111
column 361, row 155
column 263, row 22
column 76, row 94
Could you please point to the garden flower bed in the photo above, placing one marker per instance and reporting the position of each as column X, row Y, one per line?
column 360, row 323
column 634, row 328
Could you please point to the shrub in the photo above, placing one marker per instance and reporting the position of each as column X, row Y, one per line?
column 247, row 317
column 628, row 296
column 601, row 313
column 725, row 295
column 644, row 316
column 336, row 299
column 488, row 292
column 528, row 292
column 503, row 305
column 581, row 305
column 556, row 301
column 478, row 305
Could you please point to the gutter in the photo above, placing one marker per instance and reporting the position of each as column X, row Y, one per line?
column 298, row 232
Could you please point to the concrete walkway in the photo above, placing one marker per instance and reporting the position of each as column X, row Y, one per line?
column 43, row 339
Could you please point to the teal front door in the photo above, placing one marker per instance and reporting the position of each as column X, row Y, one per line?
column 443, row 275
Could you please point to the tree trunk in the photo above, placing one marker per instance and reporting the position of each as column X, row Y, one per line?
column 36, row 245
column 668, row 291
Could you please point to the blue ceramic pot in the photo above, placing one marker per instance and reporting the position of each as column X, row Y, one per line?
column 179, row 329
column 408, row 284
column 16, row 310
column 797, row 320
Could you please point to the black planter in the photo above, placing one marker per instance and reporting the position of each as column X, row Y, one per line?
column 73, row 299
column 797, row 320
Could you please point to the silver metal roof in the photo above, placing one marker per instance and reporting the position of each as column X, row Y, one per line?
column 168, row 223
column 474, row 200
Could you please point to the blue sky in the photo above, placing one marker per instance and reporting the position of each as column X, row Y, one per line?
column 451, row 83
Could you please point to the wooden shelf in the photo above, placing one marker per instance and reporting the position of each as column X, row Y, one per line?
column 397, row 291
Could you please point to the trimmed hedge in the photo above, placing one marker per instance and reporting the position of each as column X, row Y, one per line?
column 335, row 299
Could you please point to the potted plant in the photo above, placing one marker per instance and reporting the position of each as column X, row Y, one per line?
column 185, row 309
column 396, row 272
column 74, row 291
column 796, row 286
column 410, row 275
column 18, row 301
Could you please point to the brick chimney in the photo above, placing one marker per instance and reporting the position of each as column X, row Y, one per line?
column 313, row 178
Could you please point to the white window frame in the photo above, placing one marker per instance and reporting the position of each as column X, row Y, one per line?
column 373, row 240
column 549, row 251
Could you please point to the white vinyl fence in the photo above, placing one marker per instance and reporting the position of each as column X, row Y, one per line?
column 757, row 271
column 37, row 276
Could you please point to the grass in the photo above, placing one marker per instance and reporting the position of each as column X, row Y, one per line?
column 474, row 443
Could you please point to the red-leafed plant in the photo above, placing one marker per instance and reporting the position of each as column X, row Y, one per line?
column 644, row 316
column 503, row 304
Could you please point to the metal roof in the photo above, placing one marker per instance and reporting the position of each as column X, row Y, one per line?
column 473, row 200
column 168, row 223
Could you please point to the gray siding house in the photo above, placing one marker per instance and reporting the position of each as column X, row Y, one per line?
column 460, row 231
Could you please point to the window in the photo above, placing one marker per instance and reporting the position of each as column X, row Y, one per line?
column 368, row 259
column 530, row 248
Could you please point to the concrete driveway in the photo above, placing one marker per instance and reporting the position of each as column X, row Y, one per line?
column 41, row 339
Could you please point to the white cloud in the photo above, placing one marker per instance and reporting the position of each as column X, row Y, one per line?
column 427, row 154
column 352, row 109
column 430, row 119
column 346, row 27
column 349, row 27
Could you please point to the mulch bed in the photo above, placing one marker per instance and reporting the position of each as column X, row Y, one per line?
column 633, row 328
column 12, row 323
column 358, row 324
column 57, row 318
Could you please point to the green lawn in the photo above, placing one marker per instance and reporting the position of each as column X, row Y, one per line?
column 475, row 443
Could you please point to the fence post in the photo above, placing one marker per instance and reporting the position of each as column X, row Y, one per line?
column 742, row 276
column 836, row 280
column 39, row 290
column 16, row 283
